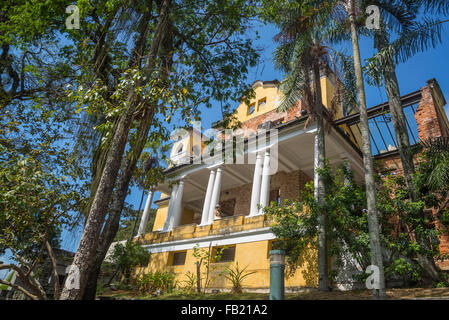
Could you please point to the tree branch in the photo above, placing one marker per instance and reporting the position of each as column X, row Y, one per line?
column 15, row 286
column 55, row 270
column 37, row 289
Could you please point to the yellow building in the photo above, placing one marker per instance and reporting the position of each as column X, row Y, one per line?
column 269, row 159
column 263, row 170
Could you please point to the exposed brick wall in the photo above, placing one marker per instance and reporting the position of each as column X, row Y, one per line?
column 430, row 125
column 274, row 115
column 428, row 115
column 289, row 184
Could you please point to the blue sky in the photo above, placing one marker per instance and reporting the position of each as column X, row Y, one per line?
column 411, row 76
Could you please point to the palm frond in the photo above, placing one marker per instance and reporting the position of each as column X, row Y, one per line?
column 435, row 6
column 423, row 35
column 420, row 37
column 437, row 150
column 398, row 15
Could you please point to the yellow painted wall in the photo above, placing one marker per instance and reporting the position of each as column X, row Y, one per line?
column 272, row 96
column 253, row 255
column 161, row 213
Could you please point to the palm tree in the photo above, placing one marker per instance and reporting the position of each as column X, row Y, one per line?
column 331, row 13
column 304, row 68
column 373, row 222
column 302, row 56
column 413, row 36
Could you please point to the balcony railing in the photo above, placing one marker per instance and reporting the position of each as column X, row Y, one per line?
column 382, row 135
column 222, row 226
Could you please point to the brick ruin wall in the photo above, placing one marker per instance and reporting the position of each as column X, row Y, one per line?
column 430, row 124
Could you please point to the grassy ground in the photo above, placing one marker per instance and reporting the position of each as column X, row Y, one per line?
column 393, row 294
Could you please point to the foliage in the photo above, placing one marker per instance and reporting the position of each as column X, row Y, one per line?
column 441, row 284
column 128, row 221
column 207, row 258
column 34, row 203
column 403, row 225
column 405, row 231
column 101, row 288
column 190, row 282
column 125, row 258
column 302, row 45
column 236, row 275
column 8, row 278
column 294, row 222
column 156, row 283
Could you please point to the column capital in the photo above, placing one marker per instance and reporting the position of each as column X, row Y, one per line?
column 215, row 166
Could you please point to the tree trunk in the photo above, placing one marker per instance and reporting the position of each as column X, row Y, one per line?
column 198, row 276
column 89, row 240
column 112, row 224
column 85, row 255
column 397, row 113
column 402, row 137
column 54, row 267
column 373, row 222
column 118, row 201
column 319, row 162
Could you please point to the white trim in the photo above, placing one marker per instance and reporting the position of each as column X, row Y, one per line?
column 254, row 235
column 283, row 136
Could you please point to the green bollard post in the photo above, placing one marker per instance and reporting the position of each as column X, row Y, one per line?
column 277, row 265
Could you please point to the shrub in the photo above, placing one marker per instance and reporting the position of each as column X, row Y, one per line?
column 190, row 283
column 441, row 284
column 236, row 276
column 126, row 257
column 156, row 282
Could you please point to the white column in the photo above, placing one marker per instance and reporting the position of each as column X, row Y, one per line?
column 146, row 213
column 171, row 205
column 265, row 184
column 255, row 193
column 207, row 199
column 177, row 211
column 215, row 196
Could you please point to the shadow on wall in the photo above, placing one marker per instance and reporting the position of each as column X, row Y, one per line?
column 217, row 280
column 307, row 269
column 309, row 258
